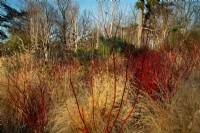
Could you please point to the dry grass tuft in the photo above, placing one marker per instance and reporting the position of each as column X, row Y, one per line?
column 181, row 115
column 65, row 118
column 9, row 115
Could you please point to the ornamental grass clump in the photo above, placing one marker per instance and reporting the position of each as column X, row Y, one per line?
column 103, row 106
column 27, row 95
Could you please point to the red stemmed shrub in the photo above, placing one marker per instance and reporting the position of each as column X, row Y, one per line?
column 161, row 71
column 31, row 100
column 26, row 89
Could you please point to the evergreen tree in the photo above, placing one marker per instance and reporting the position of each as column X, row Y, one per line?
column 8, row 19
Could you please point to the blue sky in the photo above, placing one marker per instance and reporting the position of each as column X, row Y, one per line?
column 83, row 4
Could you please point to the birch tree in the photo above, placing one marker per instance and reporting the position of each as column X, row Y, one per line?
column 85, row 29
column 109, row 17
column 74, row 28
column 153, row 18
column 41, row 21
column 140, row 5
column 63, row 20
column 186, row 18
column 67, row 23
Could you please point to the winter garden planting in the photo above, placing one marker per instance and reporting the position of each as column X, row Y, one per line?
column 115, row 70
column 122, row 93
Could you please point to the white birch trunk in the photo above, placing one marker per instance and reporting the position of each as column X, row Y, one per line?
column 139, row 40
